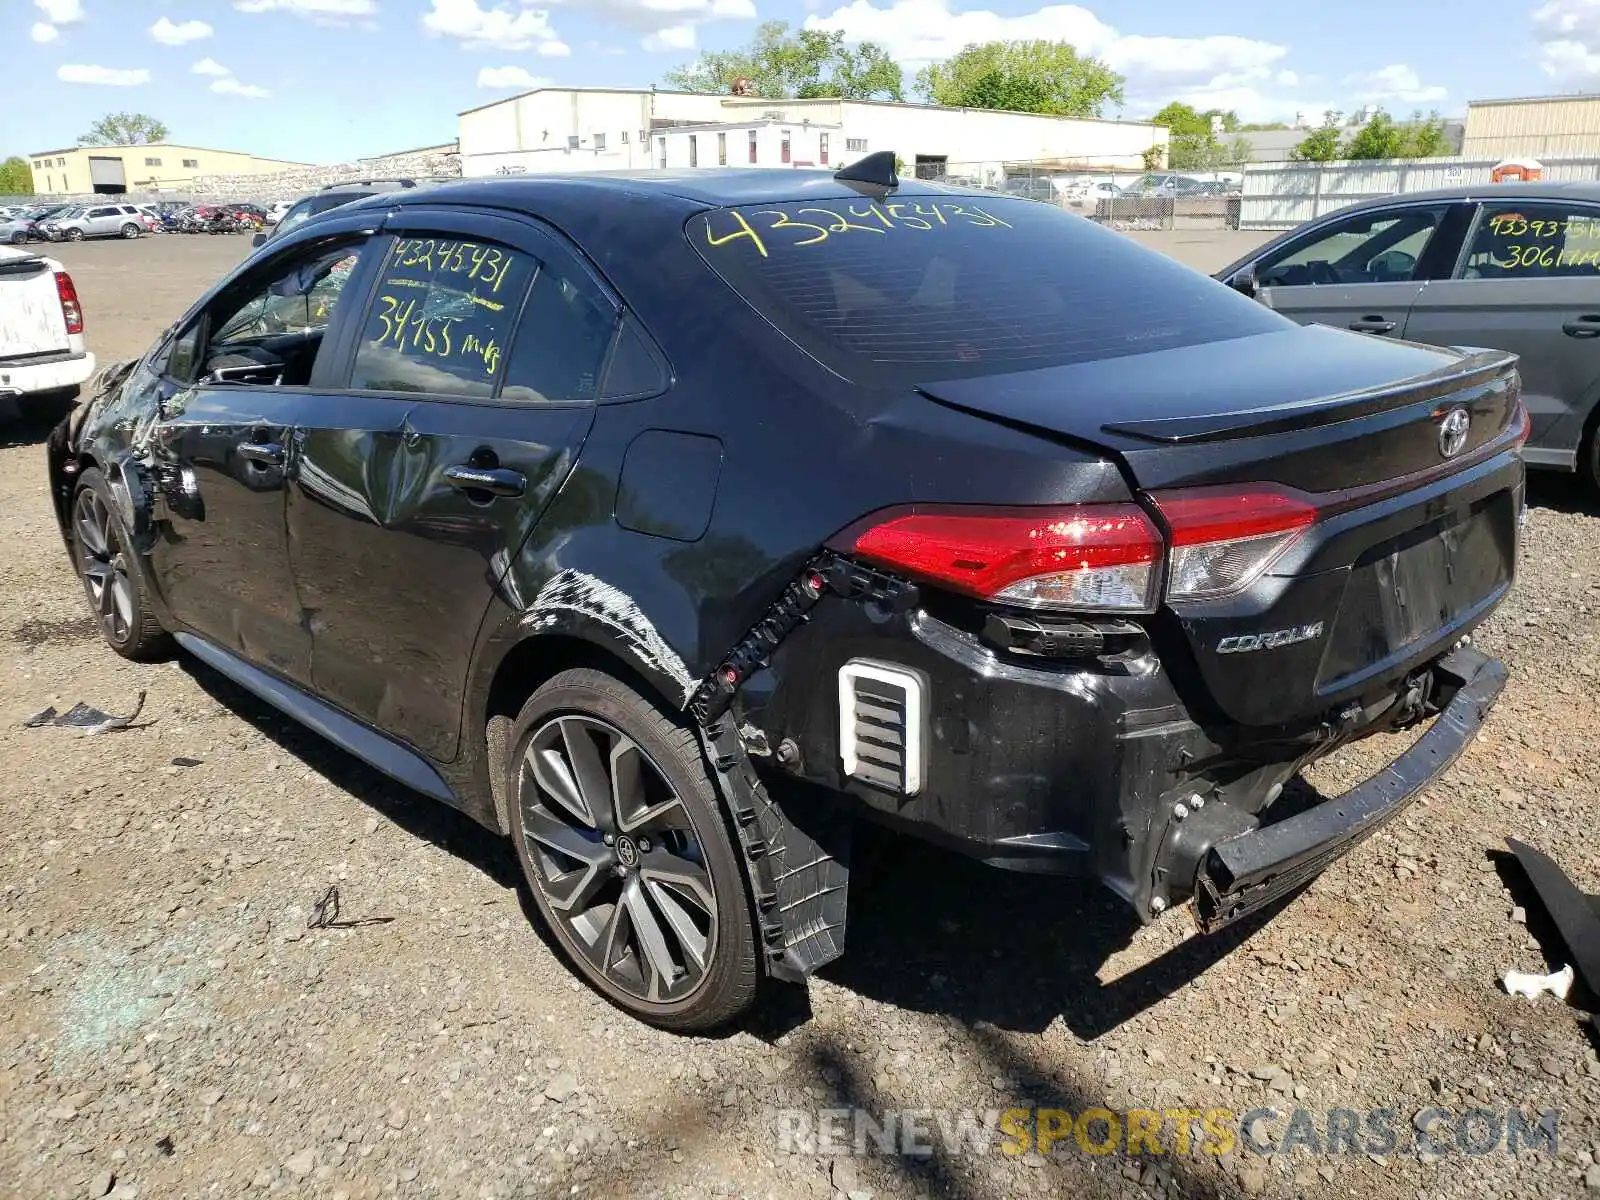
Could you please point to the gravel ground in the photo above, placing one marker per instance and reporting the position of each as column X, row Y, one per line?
column 170, row 1027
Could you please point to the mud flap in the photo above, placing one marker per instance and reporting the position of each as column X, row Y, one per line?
column 799, row 870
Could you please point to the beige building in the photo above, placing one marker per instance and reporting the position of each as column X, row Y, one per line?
column 1536, row 126
column 604, row 129
column 159, row 167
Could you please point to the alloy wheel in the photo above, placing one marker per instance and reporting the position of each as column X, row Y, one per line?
column 617, row 859
column 103, row 564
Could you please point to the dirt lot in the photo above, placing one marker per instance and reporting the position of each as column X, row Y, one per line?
column 169, row 1027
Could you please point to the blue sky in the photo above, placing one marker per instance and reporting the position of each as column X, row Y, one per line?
column 327, row 80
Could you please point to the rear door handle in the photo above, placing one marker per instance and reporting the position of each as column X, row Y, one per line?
column 266, row 454
column 1372, row 323
column 497, row 481
column 1586, row 326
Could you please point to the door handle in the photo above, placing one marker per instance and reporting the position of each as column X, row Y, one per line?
column 497, row 481
column 1372, row 323
column 1586, row 326
column 266, row 454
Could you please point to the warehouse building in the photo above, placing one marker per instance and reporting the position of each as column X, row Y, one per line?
column 600, row 129
column 1533, row 126
column 158, row 167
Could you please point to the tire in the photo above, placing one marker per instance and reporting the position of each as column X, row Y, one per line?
column 19, row 239
column 74, row 235
column 113, row 578
column 131, row 231
column 663, row 929
column 1589, row 455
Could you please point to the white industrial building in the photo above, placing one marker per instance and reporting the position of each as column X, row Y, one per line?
column 601, row 129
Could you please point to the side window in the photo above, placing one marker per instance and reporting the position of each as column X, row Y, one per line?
column 183, row 355
column 561, row 343
column 273, row 332
column 441, row 317
column 298, row 215
column 104, row 212
column 1379, row 247
column 1540, row 240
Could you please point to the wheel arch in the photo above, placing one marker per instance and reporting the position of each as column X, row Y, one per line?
column 525, row 663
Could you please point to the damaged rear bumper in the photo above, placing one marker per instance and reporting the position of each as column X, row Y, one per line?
column 1245, row 873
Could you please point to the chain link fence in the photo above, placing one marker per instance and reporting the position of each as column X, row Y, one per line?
column 1120, row 197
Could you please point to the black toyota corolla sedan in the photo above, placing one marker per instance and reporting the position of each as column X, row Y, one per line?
column 671, row 523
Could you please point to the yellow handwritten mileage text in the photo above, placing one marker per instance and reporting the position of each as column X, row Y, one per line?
column 813, row 224
column 1548, row 256
column 405, row 327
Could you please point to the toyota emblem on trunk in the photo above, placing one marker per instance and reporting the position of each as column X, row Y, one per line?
column 1453, row 432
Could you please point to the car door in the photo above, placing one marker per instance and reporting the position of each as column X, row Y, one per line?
column 469, row 392
column 102, row 221
column 231, row 382
column 1359, row 271
column 1529, row 282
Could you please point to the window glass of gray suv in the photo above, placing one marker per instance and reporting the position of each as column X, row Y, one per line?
column 1373, row 247
column 1539, row 240
column 952, row 285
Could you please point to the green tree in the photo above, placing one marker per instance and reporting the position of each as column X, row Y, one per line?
column 1027, row 76
column 1425, row 136
column 16, row 177
column 1154, row 157
column 1194, row 143
column 1322, row 143
column 1380, row 137
column 784, row 65
column 124, row 129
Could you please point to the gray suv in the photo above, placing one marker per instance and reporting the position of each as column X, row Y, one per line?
column 1507, row 266
column 332, row 196
column 100, row 220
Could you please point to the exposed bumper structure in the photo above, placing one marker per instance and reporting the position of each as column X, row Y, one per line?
column 1245, row 873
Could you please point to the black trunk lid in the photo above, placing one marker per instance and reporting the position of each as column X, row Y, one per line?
column 1416, row 538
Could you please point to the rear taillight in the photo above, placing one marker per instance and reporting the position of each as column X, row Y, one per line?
column 1522, row 421
column 71, row 310
column 1224, row 539
column 1089, row 558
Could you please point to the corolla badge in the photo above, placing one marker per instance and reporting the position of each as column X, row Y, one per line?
column 1453, row 432
column 1244, row 643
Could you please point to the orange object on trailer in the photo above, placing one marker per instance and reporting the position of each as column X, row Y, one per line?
column 1514, row 169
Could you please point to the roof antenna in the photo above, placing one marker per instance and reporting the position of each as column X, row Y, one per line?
column 876, row 169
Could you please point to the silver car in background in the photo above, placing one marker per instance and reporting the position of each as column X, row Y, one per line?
column 100, row 220
column 1506, row 266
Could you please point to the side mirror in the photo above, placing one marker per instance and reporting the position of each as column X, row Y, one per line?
column 1245, row 283
column 258, row 241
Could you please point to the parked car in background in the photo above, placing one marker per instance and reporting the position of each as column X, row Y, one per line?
column 93, row 221
column 277, row 209
column 1032, row 187
column 1162, row 184
column 1117, row 560
column 42, row 350
column 333, row 196
column 15, row 230
column 1088, row 195
column 1514, row 266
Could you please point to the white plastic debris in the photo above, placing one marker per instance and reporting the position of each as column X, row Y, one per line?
column 1519, row 983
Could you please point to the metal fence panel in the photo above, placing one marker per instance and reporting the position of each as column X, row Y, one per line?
column 1283, row 195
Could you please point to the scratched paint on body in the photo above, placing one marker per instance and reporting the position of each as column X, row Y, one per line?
column 587, row 595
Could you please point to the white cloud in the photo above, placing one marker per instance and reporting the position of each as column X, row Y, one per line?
column 1569, row 39
column 673, row 37
column 169, row 33
column 43, row 33
column 105, row 76
column 230, row 86
column 502, row 27
column 324, row 12
column 61, row 12
column 1395, row 84
column 210, row 66
column 509, row 77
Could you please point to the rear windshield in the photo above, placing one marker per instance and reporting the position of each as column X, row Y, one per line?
column 951, row 286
